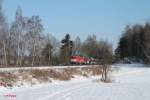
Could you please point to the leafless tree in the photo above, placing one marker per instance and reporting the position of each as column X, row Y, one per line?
column 105, row 59
column 90, row 46
column 77, row 45
column 35, row 30
column 3, row 34
column 16, row 36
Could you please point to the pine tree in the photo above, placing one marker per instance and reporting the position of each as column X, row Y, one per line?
column 66, row 49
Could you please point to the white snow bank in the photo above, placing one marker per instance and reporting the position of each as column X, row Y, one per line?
column 131, row 83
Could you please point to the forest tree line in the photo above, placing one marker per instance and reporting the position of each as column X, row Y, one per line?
column 24, row 43
column 135, row 43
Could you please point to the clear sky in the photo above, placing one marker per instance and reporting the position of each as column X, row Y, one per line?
column 104, row 18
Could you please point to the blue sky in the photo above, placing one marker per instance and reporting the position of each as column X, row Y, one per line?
column 104, row 18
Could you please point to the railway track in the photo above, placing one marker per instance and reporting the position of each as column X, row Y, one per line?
column 44, row 67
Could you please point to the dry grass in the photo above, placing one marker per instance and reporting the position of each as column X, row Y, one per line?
column 93, row 70
column 59, row 74
column 45, row 75
column 41, row 75
column 7, row 79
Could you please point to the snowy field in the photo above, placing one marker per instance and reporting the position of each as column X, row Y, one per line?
column 131, row 82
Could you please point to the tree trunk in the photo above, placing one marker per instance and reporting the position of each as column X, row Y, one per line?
column 33, row 57
column 104, row 73
column 5, row 56
column 49, row 58
column 20, row 61
column 18, row 51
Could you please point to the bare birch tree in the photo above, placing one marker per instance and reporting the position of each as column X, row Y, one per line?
column 35, row 29
column 3, row 34
column 16, row 35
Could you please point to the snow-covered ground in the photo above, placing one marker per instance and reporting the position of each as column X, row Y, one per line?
column 131, row 82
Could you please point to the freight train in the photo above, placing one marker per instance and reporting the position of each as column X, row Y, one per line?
column 82, row 60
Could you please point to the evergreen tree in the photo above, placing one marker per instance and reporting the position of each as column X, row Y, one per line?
column 66, row 49
column 134, row 43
